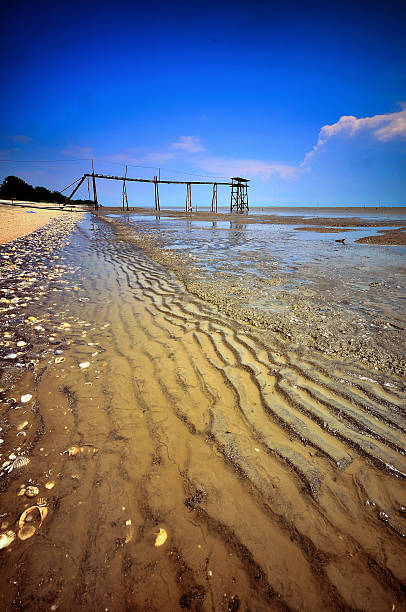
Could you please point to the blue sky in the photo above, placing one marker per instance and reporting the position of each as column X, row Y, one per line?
column 258, row 89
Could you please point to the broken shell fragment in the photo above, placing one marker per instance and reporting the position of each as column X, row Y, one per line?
column 50, row 484
column 72, row 450
column 31, row 491
column 19, row 462
column 32, row 319
column 26, row 532
column 84, row 364
column 161, row 537
column 26, row 398
column 22, row 426
column 6, row 538
column 42, row 512
column 21, row 343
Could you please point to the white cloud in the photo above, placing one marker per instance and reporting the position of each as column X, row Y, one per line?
column 21, row 138
column 247, row 168
column 382, row 127
column 191, row 144
column 78, row 151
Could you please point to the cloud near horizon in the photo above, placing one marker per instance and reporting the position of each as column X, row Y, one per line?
column 382, row 127
column 21, row 138
column 247, row 167
column 191, row 144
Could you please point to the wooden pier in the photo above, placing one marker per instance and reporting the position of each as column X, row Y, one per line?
column 238, row 201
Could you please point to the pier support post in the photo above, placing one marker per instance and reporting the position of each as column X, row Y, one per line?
column 157, row 205
column 125, row 199
column 188, row 207
column 96, row 204
column 214, row 198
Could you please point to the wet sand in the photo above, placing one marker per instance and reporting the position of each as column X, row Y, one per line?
column 342, row 217
column 387, row 237
column 316, row 223
column 20, row 221
column 333, row 301
column 276, row 472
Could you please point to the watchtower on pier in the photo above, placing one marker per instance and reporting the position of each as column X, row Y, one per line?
column 239, row 194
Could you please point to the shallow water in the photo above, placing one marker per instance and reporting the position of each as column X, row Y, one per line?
column 276, row 472
column 371, row 278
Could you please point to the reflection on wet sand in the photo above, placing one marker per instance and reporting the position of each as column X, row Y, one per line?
column 275, row 473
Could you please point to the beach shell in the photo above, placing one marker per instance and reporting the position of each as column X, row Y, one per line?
column 22, row 426
column 19, row 463
column 73, row 450
column 6, row 538
column 42, row 512
column 59, row 359
column 26, row 398
column 84, row 364
column 130, row 532
column 27, row 531
column 11, row 356
column 21, row 343
column 31, row 491
column 50, row 484
column 161, row 538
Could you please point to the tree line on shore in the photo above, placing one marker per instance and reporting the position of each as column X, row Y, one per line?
column 14, row 188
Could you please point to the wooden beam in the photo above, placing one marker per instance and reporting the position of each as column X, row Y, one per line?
column 74, row 191
column 164, row 182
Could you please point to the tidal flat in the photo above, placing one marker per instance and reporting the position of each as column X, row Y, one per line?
column 207, row 415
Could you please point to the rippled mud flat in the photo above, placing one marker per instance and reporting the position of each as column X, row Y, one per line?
column 195, row 463
column 344, row 300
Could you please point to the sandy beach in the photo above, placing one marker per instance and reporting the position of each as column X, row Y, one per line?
column 159, row 453
column 20, row 221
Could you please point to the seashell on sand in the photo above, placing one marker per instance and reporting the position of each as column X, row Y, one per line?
column 27, row 531
column 31, row 491
column 26, row 398
column 161, row 537
column 19, row 462
column 6, row 538
column 73, row 450
column 42, row 512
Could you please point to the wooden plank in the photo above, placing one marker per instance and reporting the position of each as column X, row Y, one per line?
column 122, row 178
